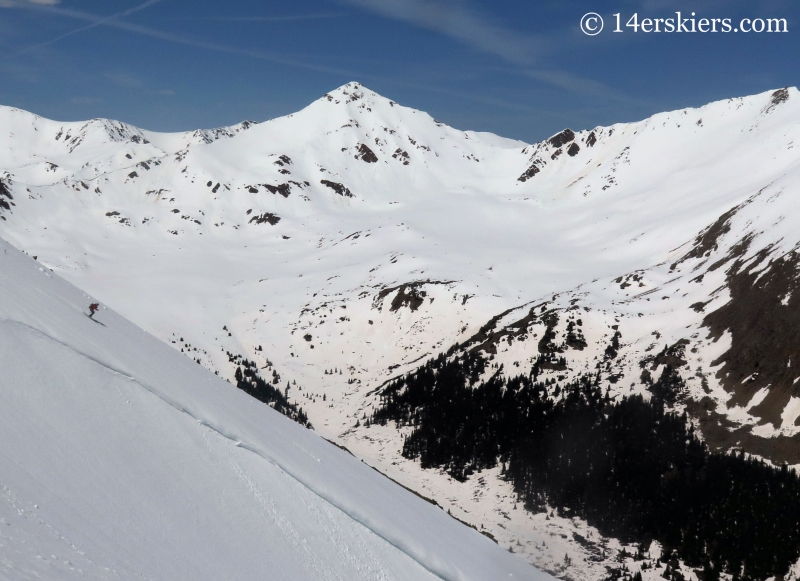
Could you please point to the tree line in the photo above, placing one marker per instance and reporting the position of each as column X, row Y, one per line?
column 249, row 380
column 630, row 467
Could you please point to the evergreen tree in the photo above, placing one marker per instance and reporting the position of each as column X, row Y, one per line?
column 631, row 468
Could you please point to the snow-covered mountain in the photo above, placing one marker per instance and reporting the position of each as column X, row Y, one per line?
column 122, row 459
column 346, row 244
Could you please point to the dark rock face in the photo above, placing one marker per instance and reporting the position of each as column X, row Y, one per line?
column 410, row 295
column 591, row 139
column 706, row 241
column 401, row 155
column 282, row 189
column 546, row 344
column 411, row 298
column 557, row 142
column 777, row 98
column 549, row 345
column 338, row 188
column 366, row 154
column 266, row 217
column 529, row 173
column 763, row 319
column 5, row 192
column 560, row 139
column 780, row 96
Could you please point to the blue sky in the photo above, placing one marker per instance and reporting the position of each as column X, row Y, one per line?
column 521, row 69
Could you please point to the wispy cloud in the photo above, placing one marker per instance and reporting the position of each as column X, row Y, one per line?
column 576, row 84
column 461, row 21
column 115, row 21
column 458, row 20
column 16, row 3
column 560, row 79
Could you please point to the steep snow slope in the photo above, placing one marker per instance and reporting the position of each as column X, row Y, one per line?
column 343, row 245
column 122, row 459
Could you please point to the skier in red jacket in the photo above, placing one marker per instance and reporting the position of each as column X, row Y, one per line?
column 93, row 309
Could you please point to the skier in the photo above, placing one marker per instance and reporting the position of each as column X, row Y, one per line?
column 93, row 309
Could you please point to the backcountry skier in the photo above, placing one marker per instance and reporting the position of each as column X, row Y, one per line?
column 93, row 309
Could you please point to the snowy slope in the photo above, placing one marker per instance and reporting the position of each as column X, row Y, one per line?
column 127, row 216
column 343, row 245
column 122, row 459
column 719, row 306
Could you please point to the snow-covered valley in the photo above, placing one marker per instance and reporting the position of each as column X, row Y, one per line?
column 345, row 245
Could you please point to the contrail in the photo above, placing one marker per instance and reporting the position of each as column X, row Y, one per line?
column 114, row 22
column 99, row 22
column 286, row 18
column 545, row 76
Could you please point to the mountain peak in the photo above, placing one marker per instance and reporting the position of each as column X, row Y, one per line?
column 352, row 92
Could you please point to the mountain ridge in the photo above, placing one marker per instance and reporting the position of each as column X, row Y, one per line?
column 310, row 246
